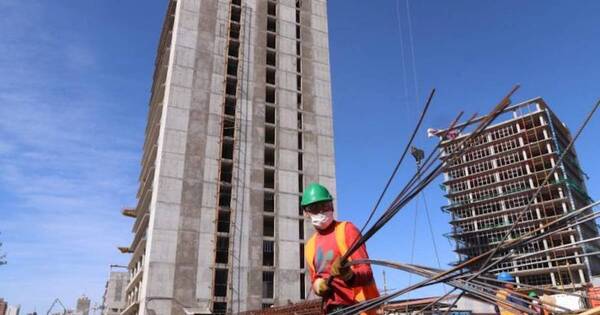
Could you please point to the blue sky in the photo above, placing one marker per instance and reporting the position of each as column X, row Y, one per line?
column 75, row 83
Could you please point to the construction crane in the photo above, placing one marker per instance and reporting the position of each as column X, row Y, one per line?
column 57, row 300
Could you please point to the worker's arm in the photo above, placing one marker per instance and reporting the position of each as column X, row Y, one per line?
column 363, row 274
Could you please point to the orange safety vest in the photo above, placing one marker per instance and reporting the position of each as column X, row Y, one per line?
column 361, row 293
column 504, row 310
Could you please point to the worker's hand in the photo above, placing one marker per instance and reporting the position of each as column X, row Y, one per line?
column 320, row 287
column 337, row 270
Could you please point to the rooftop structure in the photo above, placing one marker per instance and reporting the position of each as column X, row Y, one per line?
column 239, row 121
column 492, row 182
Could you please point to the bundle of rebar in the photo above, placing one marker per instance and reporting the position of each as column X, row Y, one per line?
column 472, row 275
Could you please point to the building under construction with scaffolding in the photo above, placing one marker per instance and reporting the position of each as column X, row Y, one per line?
column 240, row 120
column 492, row 182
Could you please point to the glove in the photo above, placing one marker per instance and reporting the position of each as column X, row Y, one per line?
column 320, row 287
column 344, row 273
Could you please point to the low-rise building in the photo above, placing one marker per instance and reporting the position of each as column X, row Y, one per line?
column 113, row 301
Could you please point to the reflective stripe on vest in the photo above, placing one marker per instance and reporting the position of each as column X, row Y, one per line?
column 360, row 293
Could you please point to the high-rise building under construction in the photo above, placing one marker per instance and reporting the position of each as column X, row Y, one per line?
column 240, row 120
column 490, row 184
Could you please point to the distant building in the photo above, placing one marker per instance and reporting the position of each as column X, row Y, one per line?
column 491, row 183
column 3, row 306
column 113, row 301
column 83, row 306
column 13, row 309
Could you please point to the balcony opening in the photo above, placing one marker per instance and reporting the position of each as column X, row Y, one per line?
column 223, row 221
column 268, row 254
column 234, row 31
column 269, row 114
column 298, row 46
column 298, row 16
column 220, row 308
column 271, row 58
column 299, row 82
column 272, row 8
column 299, row 119
column 298, row 4
column 267, row 284
column 270, row 95
column 269, row 202
column 301, row 237
column 230, row 106
column 226, row 172
column 300, row 183
column 232, row 66
column 231, row 86
column 298, row 31
column 227, row 149
column 299, row 100
column 236, row 2
column 270, row 135
column 220, row 284
column 224, row 196
column 271, row 41
column 302, row 284
column 270, row 76
column 222, row 252
column 271, row 24
column 268, row 226
column 300, row 141
column 269, row 156
column 234, row 48
column 228, row 127
column 300, row 210
column 236, row 14
column 300, row 162
column 269, row 178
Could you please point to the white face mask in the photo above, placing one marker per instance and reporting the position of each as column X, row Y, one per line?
column 321, row 220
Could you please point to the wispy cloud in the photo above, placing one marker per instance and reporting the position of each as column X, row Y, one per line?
column 66, row 164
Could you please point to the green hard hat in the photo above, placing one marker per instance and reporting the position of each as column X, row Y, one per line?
column 532, row 294
column 315, row 193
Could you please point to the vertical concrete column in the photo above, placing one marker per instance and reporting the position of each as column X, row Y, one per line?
column 157, row 291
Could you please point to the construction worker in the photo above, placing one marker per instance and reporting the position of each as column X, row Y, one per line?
column 323, row 251
column 507, row 294
column 535, row 303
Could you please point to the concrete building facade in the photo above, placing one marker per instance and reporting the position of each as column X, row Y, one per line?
column 240, row 120
column 114, row 300
column 491, row 183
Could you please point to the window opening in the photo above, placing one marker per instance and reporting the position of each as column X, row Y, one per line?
column 268, row 253
column 268, row 226
column 220, row 285
column 269, row 202
column 269, row 179
column 269, row 156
